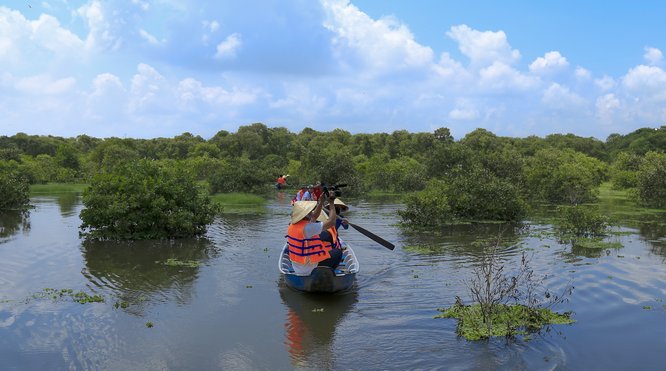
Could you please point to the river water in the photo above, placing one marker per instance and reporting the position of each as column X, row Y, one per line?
column 233, row 312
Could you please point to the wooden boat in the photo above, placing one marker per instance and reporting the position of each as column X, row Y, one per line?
column 322, row 279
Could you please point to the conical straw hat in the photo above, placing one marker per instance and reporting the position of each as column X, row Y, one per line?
column 301, row 210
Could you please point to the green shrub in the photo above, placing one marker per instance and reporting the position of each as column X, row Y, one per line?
column 15, row 191
column 651, row 180
column 581, row 221
column 473, row 195
column 429, row 207
column 145, row 200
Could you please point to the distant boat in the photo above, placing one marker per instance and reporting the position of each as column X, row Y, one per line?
column 322, row 279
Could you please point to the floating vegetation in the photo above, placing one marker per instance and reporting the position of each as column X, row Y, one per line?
column 122, row 305
column 149, row 324
column 507, row 320
column 596, row 243
column 172, row 262
column 647, row 307
column 318, row 310
column 80, row 297
column 248, row 286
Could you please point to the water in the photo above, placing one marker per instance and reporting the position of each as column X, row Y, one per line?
column 234, row 312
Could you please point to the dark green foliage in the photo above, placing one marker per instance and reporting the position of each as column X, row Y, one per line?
column 624, row 171
column 429, row 207
column 564, row 176
column 145, row 200
column 393, row 175
column 581, row 221
column 14, row 191
column 240, row 175
column 473, row 195
column 651, row 180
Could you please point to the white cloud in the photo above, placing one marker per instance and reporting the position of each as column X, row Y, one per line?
column 483, row 48
column 150, row 92
column 107, row 99
column 582, row 73
column 646, row 81
column 45, row 85
column 500, row 76
column 607, row 106
column 100, row 35
column 191, row 90
column 550, row 62
column 464, row 111
column 19, row 35
column 382, row 45
column 228, row 47
column 561, row 97
column 653, row 56
column 148, row 37
column 605, row 83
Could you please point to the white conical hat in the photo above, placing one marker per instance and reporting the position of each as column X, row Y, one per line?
column 301, row 210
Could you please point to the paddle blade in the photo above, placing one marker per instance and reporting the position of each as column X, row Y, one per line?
column 373, row 237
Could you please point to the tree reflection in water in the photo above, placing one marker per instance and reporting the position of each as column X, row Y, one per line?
column 12, row 222
column 311, row 324
column 142, row 271
column 655, row 234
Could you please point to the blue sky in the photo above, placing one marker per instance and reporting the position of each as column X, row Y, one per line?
column 158, row 68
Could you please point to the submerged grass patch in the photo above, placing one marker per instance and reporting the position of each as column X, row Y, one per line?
column 596, row 243
column 239, row 202
column 51, row 188
column 172, row 262
column 80, row 297
column 507, row 320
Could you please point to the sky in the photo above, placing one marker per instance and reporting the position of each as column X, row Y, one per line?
column 159, row 68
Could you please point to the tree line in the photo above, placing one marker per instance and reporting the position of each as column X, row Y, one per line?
column 481, row 175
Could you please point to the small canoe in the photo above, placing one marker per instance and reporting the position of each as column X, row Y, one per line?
column 322, row 279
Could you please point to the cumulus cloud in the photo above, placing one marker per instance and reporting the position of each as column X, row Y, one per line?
column 44, row 85
column 561, row 97
column 18, row 36
column 653, row 56
column 148, row 37
column 605, row 83
column 191, row 90
column 502, row 77
column 465, row 110
column 101, row 33
column 582, row 73
column 381, row 45
column 647, row 81
column 606, row 107
column 228, row 47
column 550, row 62
column 483, row 47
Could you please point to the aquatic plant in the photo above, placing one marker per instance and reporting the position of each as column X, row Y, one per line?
column 14, row 191
column 651, row 180
column 172, row 262
column 505, row 304
column 506, row 320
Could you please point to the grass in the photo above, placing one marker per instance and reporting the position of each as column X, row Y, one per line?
column 508, row 320
column 235, row 202
column 51, row 188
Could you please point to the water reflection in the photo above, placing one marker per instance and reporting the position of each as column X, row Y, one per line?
column 311, row 324
column 462, row 239
column 655, row 234
column 68, row 202
column 140, row 271
column 12, row 222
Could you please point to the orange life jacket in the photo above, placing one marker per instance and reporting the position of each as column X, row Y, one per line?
column 336, row 241
column 305, row 250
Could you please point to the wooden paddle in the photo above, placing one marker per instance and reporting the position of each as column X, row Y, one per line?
column 368, row 234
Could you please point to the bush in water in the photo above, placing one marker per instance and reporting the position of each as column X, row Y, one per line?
column 652, row 180
column 14, row 191
column 145, row 200
column 474, row 195
column 581, row 221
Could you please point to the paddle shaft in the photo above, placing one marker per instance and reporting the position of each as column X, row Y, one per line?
column 369, row 234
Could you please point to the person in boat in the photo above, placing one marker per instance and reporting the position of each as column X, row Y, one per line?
column 340, row 207
column 307, row 196
column 317, row 191
column 281, row 182
column 306, row 248
column 331, row 235
column 299, row 194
